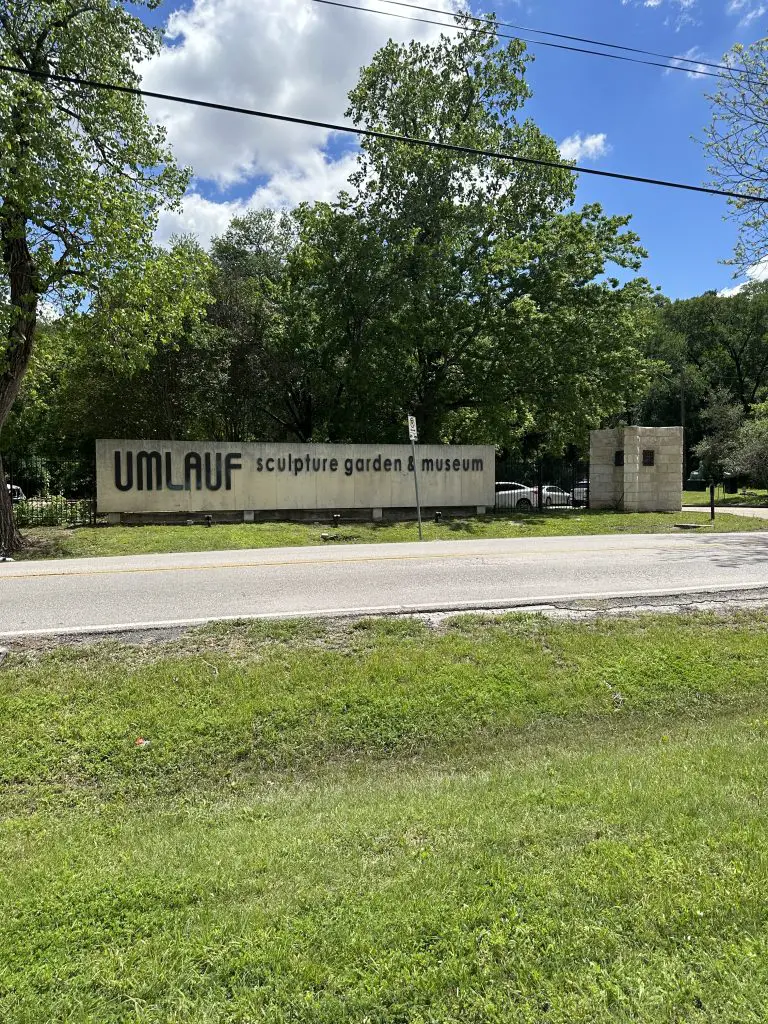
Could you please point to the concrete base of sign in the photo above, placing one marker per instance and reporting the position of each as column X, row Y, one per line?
column 114, row 518
column 378, row 513
column 248, row 516
column 352, row 515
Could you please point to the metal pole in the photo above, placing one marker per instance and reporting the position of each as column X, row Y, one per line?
column 682, row 420
column 712, row 502
column 416, row 483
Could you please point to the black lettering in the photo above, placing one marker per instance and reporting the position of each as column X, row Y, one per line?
column 427, row 465
column 377, row 464
column 169, row 474
column 477, row 465
column 324, row 462
column 368, row 465
column 193, row 462
column 411, row 466
column 151, row 464
column 457, row 464
column 360, row 465
column 231, row 463
column 399, row 465
column 387, row 465
column 438, row 464
column 270, row 469
column 281, row 465
column 259, row 465
column 349, row 467
column 465, row 464
column 317, row 464
column 334, row 464
column 128, row 485
column 298, row 465
column 208, row 484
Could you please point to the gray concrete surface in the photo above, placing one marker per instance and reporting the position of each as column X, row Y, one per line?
column 731, row 510
column 114, row 593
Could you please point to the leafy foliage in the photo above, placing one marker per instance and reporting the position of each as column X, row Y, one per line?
column 702, row 347
column 722, row 419
column 737, row 143
column 83, row 171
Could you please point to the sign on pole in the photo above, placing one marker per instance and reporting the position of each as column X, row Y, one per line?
column 413, row 433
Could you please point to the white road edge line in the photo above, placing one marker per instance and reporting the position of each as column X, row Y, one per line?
column 361, row 612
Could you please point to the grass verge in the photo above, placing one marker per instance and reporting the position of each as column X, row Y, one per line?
column 51, row 542
column 498, row 820
column 752, row 499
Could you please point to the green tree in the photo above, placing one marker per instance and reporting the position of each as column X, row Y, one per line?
column 502, row 317
column 749, row 456
column 701, row 345
column 83, row 172
column 139, row 362
column 736, row 141
column 722, row 419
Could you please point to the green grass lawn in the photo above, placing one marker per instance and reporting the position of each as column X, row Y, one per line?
column 753, row 498
column 500, row 820
column 50, row 542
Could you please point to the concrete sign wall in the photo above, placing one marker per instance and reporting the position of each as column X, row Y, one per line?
column 637, row 469
column 203, row 476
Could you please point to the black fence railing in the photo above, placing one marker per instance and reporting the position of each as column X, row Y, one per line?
column 541, row 485
column 51, row 492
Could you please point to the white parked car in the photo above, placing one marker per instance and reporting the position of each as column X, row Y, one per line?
column 556, row 497
column 513, row 495
column 580, row 493
column 510, row 494
column 16, row 492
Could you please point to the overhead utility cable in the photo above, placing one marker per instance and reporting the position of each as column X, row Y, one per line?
column 562, row 35
column 533, row 42
column 372, row 133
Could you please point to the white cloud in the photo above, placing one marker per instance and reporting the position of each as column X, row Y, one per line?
column 312, row 177
column 681, row 12
column 759, row 272
column 747, row 10
column 198, row 216
column 285, row 56
column 584, row 147
column 290, row 57
column 691, row 61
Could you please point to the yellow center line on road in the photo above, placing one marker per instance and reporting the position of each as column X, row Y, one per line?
column 438, row 556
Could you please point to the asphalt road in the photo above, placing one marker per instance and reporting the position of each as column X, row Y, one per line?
column 149, row 590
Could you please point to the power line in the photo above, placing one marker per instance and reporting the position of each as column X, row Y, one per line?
column 503, row 35
column 562, row 35
column 372, row 133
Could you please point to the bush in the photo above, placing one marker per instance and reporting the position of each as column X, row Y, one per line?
column 54, row 511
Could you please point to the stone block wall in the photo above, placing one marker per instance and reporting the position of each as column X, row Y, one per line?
column 636, row 486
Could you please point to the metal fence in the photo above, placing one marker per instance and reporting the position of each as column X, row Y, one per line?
column 51, row 492
column 541, row 485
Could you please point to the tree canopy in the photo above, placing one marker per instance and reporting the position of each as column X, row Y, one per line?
column 83, row 171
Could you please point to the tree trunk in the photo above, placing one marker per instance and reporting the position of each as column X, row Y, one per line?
column 14, row 360
column 10, row 538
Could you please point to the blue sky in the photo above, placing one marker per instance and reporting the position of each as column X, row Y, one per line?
column 300, row 58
